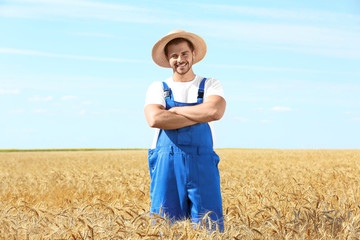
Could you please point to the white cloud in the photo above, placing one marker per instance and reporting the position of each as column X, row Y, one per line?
column 16, row 111
column 40, row 99
column 95, row 34
column 21, row 130
column 259, row 109
column 40, row 111
column 68, row 56
column 350, row 112
column 329, row 41
column 355, row 119
column 128, row 13
column 3, row 91
column 315, row 32
column 241, row 119
column 86, row 103
column 285, row 14
column 79, row 9
column 105, row 112
column 67, row 98
column 281, row 109
column 265, row 68
column 265, row 121
column 311, row 33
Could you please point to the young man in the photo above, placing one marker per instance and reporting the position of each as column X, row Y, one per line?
column 185, row 181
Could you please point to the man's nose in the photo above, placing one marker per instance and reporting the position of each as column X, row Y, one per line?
column 180, row 58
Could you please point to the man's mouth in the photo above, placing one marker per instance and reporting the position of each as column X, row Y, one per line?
column 182, row 65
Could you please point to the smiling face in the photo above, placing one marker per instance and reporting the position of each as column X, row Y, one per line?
column 180, row 57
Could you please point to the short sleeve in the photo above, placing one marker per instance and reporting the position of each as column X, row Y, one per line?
column 155, row 94
column 213, row 87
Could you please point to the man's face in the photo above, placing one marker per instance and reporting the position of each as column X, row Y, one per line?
column 180, row 57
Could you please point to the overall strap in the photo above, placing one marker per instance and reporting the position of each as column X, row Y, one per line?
column 167, row 94
column 201, row 91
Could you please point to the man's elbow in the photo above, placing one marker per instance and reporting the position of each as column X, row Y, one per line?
column 152, row 115
column 151, row 120
column 217, row 109
column 217, row 115
column 213, row 115
column 218, row 112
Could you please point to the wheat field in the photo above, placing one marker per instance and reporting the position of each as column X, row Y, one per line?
column 267, row 194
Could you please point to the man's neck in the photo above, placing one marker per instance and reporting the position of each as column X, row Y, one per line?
column 189, row 76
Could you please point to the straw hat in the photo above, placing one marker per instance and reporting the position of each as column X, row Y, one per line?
column 158, row 52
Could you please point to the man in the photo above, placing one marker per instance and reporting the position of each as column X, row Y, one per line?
column 185, row 181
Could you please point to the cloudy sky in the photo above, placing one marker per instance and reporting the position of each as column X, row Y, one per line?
column 73, row 74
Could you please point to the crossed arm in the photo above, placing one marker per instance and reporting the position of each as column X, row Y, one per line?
column 211, row 109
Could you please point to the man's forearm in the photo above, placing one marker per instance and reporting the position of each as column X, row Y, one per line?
column 210, row 110
column 158, row 117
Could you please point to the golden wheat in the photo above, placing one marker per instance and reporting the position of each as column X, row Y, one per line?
column 267, row 194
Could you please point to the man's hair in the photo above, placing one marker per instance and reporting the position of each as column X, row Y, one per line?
column 177, row 41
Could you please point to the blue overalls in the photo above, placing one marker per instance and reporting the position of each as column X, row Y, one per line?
column 185, row 181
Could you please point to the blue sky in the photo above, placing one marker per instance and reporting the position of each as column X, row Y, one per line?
column 73, row 74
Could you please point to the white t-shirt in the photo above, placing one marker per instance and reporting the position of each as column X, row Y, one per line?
column 185, row 92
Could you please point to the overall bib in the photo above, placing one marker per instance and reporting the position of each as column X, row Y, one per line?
column 185, row 181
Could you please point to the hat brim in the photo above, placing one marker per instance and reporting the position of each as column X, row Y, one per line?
column 158, row 51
